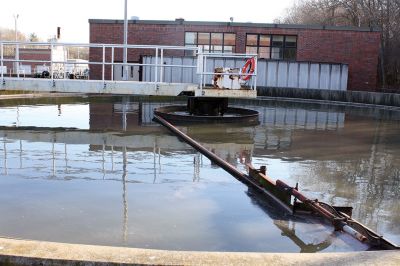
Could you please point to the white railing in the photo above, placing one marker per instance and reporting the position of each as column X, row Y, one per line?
column 54, row 64
column 58, row 59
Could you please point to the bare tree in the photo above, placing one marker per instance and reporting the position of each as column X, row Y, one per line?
column 9, row 35
column 384, row 14
column 33, row 37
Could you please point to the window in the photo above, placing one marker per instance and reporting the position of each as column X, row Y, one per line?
column 215, row 42
column 272, row 46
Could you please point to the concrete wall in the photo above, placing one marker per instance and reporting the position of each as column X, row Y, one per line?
column 283, row 74
column 358, row 97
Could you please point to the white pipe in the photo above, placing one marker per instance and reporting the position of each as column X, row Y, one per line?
column 103, row 66
column 125, row 72
column 97, row 45
column 162, row 66
column 17, row 59
column 2, row 57
column 112, row 61
column 51, row 60
column 156, row 67
column 16, row 47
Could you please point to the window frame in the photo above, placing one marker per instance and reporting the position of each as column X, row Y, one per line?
column 210, row 45
column 271, row 46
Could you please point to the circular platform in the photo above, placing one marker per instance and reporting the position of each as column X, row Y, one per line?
column 179, row 114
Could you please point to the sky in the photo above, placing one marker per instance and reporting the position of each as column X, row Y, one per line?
column 44, row 16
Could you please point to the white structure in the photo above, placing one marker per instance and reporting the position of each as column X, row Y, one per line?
column 59, row 66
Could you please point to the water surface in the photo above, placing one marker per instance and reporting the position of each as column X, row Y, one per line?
column 99, row 171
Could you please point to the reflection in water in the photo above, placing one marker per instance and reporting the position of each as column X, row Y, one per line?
column 288, row 226
column 335, row 155
column 124, row 173
column 5, row 155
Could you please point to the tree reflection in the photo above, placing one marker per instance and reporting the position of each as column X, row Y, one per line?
column 368, row 179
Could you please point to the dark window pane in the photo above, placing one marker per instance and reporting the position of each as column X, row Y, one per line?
column 290, row 41
column 229, row 39
column 252, row 39
column 263, row 52
column 216, row 38
column 289, row 54
column 277, row 40
column 204, row 38
column 251, row 50
column 190, row 38
column 265, row 40
column 276, row 53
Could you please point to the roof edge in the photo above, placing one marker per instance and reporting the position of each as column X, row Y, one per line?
column 236, row 24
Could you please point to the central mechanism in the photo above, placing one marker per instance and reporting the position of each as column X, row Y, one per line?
column 207, row 106
column 211, row 105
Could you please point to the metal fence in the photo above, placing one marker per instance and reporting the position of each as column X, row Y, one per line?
column 284, row 74
column 199, row 69
column 57, row 64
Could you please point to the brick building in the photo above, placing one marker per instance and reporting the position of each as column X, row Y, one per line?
column 356, row 47
column 29, row 67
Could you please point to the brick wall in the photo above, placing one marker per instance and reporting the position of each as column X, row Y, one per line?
column 29, row 54
column 35, row 55
column 358, row 49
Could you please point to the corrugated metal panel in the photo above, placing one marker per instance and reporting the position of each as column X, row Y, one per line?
column 343, row 77
column 335, row 76
column 325, row 76
column 303, row 75
column 270, row 73
column 283, row 71
column 313, row 76
column 293, row 77
column 261, row 70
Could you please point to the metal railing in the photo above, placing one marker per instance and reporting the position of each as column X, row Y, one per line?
column 58, row 59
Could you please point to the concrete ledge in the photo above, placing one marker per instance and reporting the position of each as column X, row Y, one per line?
column 27, row 252
column 97, row 86
column 40, row 95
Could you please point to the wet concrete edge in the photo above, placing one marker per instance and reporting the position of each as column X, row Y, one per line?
column 28, row 252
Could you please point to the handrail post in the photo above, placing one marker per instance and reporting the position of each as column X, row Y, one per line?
column 51, row 61
column 162, row 65
column 255, row 71
column 200, row 66
column 65, row 52
column 17, row 58
column 2, row 57
column 156, row 67
column 103, row 66
column 200, row 69
column 204, row 71
column 112, row 63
